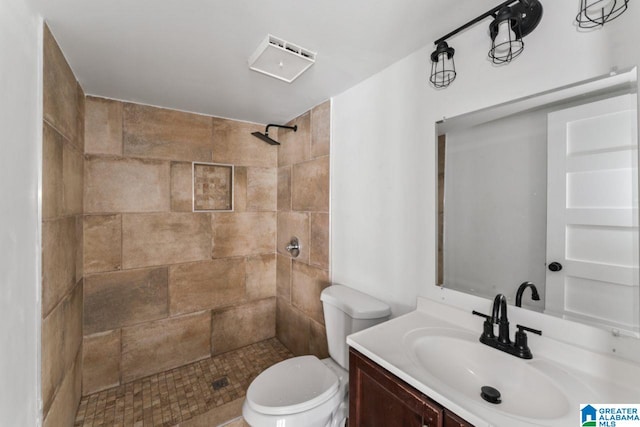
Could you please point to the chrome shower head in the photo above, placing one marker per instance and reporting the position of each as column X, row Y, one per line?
column 265, row 136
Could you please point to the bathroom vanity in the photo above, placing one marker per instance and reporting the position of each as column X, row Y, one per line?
column 428, row 367
column 379, row 398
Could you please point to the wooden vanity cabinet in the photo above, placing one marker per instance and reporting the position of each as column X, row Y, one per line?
column 377, row 398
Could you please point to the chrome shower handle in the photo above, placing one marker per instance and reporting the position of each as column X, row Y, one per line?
column 293, row 247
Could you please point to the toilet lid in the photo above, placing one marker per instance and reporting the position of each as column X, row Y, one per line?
column 292, row 386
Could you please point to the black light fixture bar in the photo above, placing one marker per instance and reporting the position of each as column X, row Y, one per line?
column 471, row 23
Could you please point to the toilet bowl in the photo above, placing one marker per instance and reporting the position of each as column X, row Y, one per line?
column 305, row 391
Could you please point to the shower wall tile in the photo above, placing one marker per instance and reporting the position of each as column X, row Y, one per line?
column 126, row 185
column 103, row 247
column 166, row 134
column 123, row 298
column 319, row 252
column 240, row 326
column 63, row 408
column 181, row 187
column 234, row 144
column 284, row 189
column 294, row 224
column 295, row 147
column 80, row 116
column 103, row 126
column 165, row 238
column 165, row 344
column 212, row 187
column 61, row 341
column 59, row 241
column 240, row 189
column 60, row 90
column 101, row 361
column 52, row 185
column 261, row 276
column 307, row 284
column 292, row 328
column 310, row 185
column 283, row 278
column 318, row 340
column 79, row 247
column 73, row 180
column 242, row 234
column 321, row 129
column 262, row 188
column 206, row 285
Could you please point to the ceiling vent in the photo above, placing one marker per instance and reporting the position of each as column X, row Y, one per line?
column 280, row 59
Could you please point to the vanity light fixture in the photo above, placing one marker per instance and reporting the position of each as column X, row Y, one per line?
column 595, row 13
column 512, row 21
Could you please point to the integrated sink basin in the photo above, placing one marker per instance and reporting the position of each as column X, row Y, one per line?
column 454, row 360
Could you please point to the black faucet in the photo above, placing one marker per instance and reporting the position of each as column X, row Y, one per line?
column 502, row 342
column 534, row 293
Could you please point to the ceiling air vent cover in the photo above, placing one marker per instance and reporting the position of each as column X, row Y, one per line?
column 281, row 59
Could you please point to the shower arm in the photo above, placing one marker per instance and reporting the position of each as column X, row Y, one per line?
column 266, row 130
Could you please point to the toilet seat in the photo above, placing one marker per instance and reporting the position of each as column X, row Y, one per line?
column 292, row 386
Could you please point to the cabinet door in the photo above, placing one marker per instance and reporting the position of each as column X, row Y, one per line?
column 379, row 399
column 452, row 420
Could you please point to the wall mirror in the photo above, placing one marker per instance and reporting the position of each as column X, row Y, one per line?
column 545, row 190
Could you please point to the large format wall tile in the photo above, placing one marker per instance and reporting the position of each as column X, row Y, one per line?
column 310, row 185
column 63, row 408
column 126, row 185
column 205, row 285
column 113, row 300
column 166, row 134
column 58, row 260
column 318, row 340
column 60, row 90
column 240, row 189
column 52, row 187
column 234, row 144
column 283, row 278
column 261, row 276
column 321, row 129
column 294, row 224
column 295, row 146
column 72, row 179
column 161, row 239
column 181, row 187
column 284, row 189
column 240, row 326
column 242, row 234
column 61, row 340
column 103, row 126
column 164, row 344
column 307, row 284
column 319, row 240
column 262, row 187
column 100, row 361
column 102, row 243
column 292, row 328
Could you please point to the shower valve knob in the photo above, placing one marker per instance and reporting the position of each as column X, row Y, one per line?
column 293, row 247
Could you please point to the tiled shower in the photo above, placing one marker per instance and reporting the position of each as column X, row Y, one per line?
column 136, row 284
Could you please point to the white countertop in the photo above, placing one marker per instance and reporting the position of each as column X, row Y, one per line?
column 583, row 376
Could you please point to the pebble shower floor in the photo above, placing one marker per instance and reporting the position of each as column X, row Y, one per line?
column 168, row 398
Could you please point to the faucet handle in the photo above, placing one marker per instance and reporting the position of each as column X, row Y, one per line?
column 477, row 313
column 487, row 326
column 526, row 328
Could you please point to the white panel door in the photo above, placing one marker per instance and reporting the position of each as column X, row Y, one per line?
column 592, row 218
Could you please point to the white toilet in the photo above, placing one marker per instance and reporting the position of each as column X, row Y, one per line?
column 308, row 392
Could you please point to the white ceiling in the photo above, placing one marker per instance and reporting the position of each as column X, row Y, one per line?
column 192, row 54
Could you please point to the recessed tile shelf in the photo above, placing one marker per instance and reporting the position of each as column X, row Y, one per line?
column 212, row 187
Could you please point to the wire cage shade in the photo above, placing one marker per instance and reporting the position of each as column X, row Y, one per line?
column 443, row 67
column 443, row 73
column 506, row 37
column 595, row 13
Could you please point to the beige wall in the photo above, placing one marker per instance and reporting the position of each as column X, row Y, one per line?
column 62, row 270
column 166, row 286
column 303, row 211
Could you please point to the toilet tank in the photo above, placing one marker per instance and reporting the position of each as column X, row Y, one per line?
column 347, row 311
